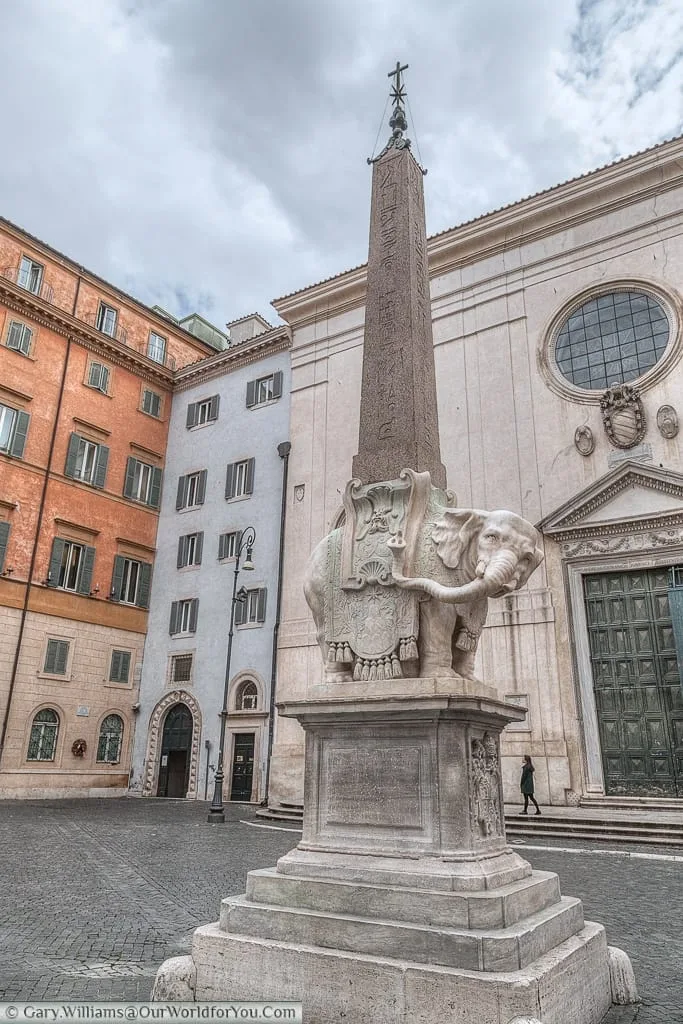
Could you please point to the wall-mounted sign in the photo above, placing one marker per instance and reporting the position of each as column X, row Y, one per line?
column 82, row 711
column 164, row 760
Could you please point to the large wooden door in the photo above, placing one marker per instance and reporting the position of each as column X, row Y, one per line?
column 636, row 682
column 176, row 741
column 242, row 766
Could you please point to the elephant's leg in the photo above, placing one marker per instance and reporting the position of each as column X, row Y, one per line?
column 471, row 621
column 437, row 622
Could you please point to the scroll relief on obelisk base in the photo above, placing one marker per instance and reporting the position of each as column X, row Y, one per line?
column 403, row 901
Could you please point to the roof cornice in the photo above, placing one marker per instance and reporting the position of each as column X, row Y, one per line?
column 634, row 178
column 278, row 339
column 27, row 304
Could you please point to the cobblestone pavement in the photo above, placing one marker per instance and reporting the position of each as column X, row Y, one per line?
column 94, row 894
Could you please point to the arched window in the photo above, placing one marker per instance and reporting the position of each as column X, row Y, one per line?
column 109, row 743
column 43, row 742
column 246, row 698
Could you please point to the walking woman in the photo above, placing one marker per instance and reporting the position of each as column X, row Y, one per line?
column 527, row 784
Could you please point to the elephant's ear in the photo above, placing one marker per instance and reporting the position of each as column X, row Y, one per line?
column 453, row 534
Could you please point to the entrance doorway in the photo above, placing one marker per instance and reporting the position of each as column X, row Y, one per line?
column 636, row 682
column 174, row 768
column 242, row 766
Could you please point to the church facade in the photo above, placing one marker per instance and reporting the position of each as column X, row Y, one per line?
column 557, row 337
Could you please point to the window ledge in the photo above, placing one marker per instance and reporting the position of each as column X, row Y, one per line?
column 249, row 625
column 64, row 677
column 200, row 426
column 262, row 405
column 239, row 497
column 181, row 636
column 24, row 355
column 189, row 508
column 189, row 568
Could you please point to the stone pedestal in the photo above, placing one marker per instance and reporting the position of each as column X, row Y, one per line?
column 403, row 901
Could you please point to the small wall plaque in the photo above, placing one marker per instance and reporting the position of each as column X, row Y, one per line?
column 667, row 421
column 82, row 711
column 584, row 440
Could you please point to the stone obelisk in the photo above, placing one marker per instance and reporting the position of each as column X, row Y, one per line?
column 403, row 902
column 399, row 423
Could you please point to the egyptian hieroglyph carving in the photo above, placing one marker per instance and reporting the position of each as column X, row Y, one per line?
column 485, row 787
column 403, row 587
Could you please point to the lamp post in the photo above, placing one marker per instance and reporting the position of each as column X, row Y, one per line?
column 245, row 544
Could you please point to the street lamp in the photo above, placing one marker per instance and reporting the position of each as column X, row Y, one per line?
column 245, row 544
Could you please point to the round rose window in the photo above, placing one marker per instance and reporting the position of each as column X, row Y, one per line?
column 612, row 339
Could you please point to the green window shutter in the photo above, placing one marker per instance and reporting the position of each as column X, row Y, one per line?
column 214, row 406
column 104, row 379
column 277, row 384
column 155, row 488
column 240, row 612
column 230, row 481
column 201, row 488
column 117, row 578
column 55, row 562
column 181, row 497
column 194, row 610
column 19, row 434
column 129, row 480
column 261, row 607
column 85, row 581
column 144, row 581
column 101, row 465
column 175, row 611
column 198, row 548
column 19, row 337
column 4, row 534
column 62, row 655
column 222, row 544
column 120, row 667
column 191, row 415
column 182, row 552
column 72, row 455
column 251, row 394
column 50, row 657
column 249, row 488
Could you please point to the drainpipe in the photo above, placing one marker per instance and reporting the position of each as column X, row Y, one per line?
column 34, row 552
column 39, row 523
column 283, row 451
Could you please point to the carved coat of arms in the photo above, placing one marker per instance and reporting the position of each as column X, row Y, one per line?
column 623, row 415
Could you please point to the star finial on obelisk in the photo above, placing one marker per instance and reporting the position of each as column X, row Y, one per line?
column 399, row 427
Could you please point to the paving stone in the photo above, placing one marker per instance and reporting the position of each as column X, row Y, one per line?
column 95, row 894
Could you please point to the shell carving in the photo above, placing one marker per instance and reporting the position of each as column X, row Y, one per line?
column 623, row 415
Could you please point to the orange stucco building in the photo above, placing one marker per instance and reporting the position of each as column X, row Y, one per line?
column 86, row 376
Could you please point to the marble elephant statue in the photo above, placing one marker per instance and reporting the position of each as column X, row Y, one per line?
column 480, row 555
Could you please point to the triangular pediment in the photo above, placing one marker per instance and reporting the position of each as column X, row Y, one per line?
column 631, row 495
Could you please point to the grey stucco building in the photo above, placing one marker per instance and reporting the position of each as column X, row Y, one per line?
column 224, row 473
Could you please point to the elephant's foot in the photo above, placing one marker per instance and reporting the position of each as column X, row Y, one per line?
column 338, row 674
column 434, row 668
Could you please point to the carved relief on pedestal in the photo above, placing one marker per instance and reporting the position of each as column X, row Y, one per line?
column 485, row 802
column 584, row 440
column 667, row 421
column 623, row 415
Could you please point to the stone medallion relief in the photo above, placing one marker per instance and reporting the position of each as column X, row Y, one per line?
column 667, row 421
column 584, row 440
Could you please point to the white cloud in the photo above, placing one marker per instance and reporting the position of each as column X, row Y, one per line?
column 211, row 155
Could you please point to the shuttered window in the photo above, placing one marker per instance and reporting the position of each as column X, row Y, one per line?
column 71, row 566
column 252, row 609
column 156, row 347
column 4, row 537
column 106, row 319
column 56, row 657
column 190, row 549
column 264, row 389
column 228, row 544
column 13, row 430
column 200, row 413
column 131, row 581
column 239, row 479
column 86, row 461
column 142, row 482
column 191, row 490
column 19, row 337
column 184, row 616
column 30, row 275
column 119, row 668
column 151, row 403
column 98, row 377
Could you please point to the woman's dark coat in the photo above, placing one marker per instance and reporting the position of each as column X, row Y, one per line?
column 527, row 783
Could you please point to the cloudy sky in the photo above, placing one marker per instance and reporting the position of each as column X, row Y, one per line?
column 210, row 154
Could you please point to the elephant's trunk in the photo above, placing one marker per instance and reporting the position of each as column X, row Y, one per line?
column 498, row 574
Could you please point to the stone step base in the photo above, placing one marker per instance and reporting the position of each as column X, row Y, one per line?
column 568, row 984
column 497, row 908
column 504, row 949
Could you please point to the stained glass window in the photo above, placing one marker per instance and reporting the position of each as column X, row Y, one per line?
column 612, row 339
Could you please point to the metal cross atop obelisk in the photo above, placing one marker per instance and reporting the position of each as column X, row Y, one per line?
column 399, row 427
